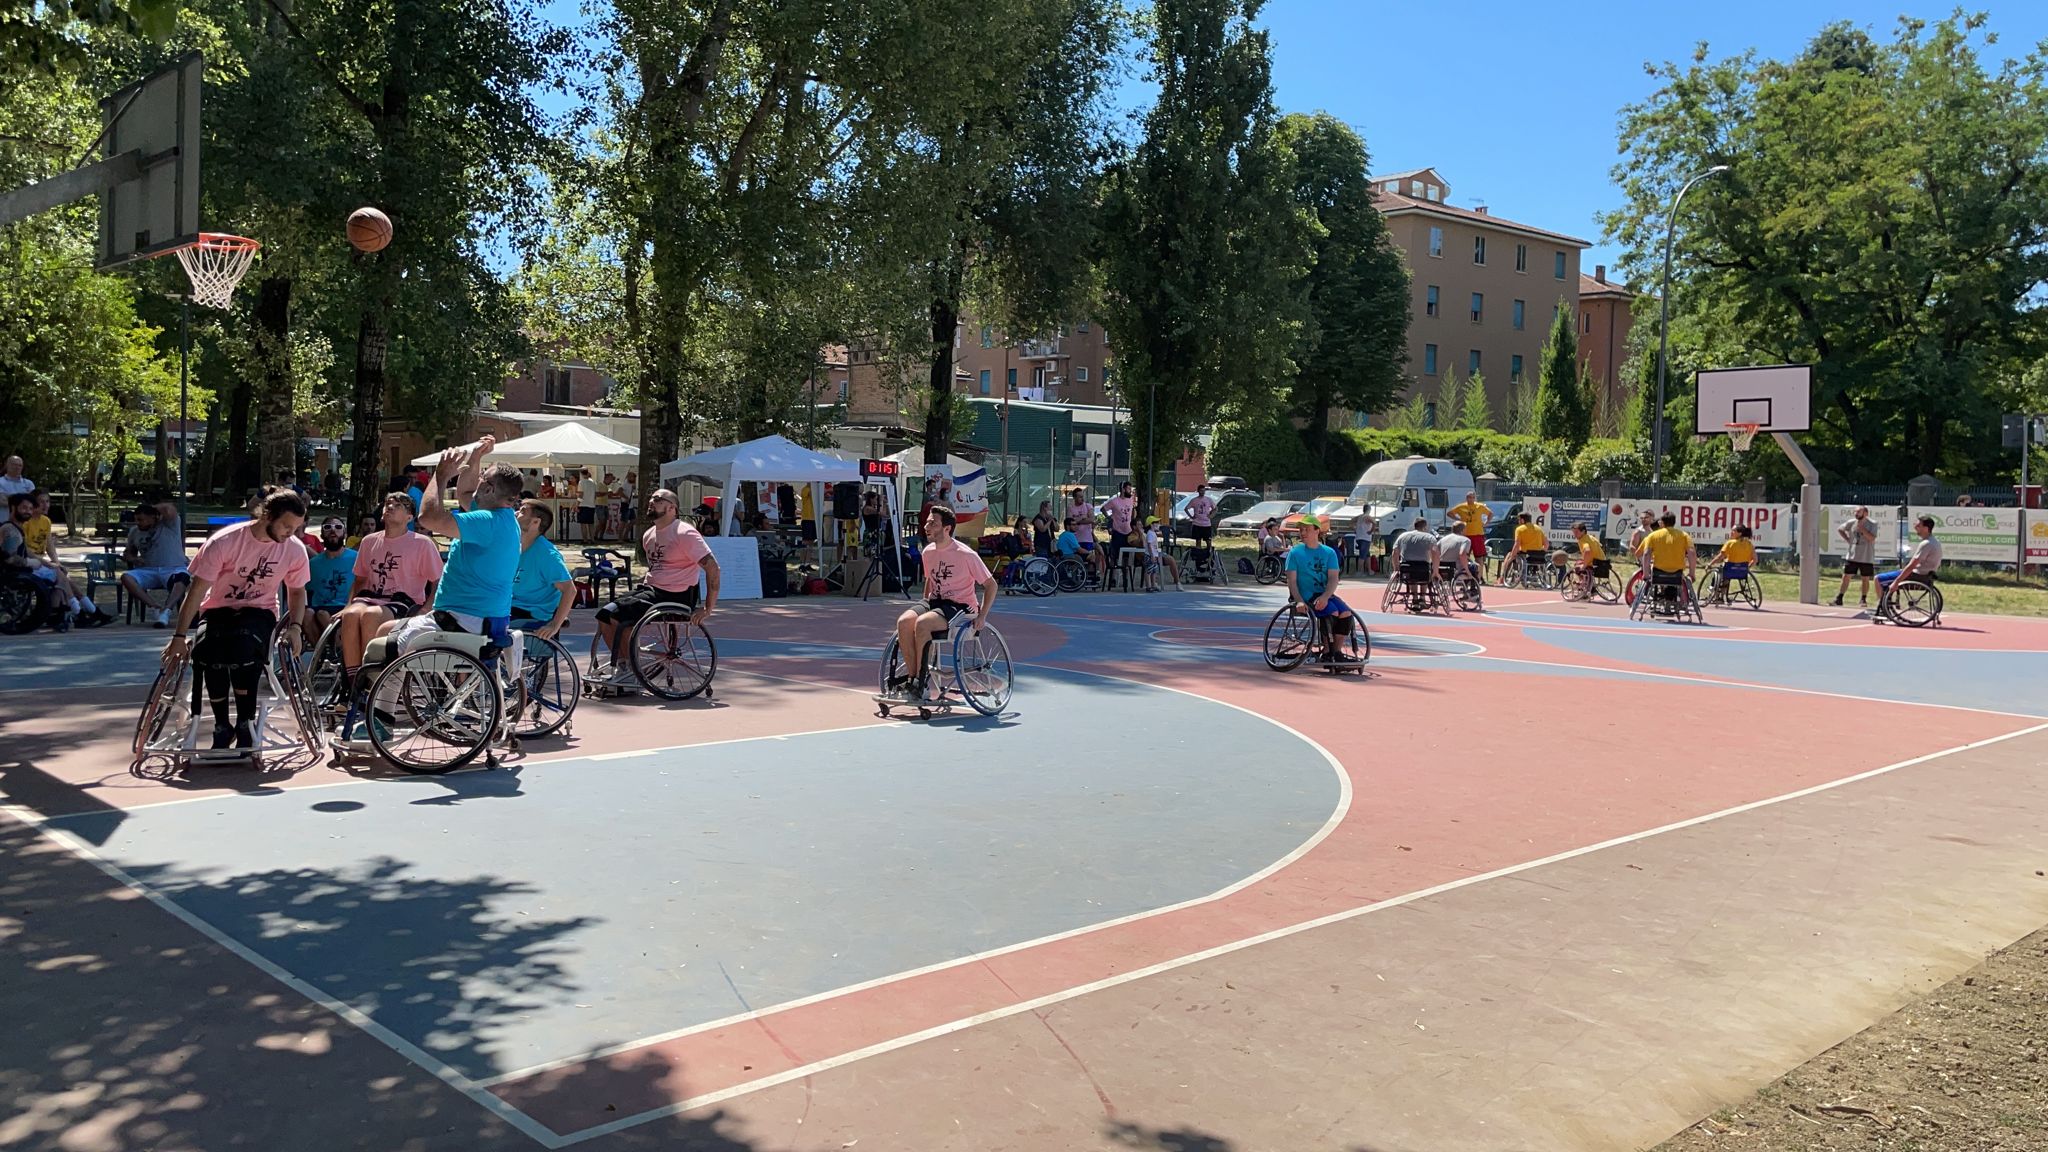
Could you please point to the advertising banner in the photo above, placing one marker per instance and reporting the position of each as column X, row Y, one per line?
column 1556, row 517
column 1708, row 521
column 1989, row 534
column 1834, row 518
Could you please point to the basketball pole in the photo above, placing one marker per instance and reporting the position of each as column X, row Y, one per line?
column 1809, row 517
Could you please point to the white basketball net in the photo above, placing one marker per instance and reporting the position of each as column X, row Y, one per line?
column 1740, row 436
column 215, row 265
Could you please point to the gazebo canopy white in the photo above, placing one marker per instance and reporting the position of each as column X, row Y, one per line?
column 566, row 443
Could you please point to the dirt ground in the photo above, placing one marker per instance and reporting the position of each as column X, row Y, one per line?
column 1962, row 1068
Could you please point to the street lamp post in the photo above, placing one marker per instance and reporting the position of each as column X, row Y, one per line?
column 1664, row 334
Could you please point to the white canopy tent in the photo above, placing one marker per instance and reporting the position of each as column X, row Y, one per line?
column 564, row 444
column 769, row 460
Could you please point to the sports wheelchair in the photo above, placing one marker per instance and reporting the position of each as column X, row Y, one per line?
column 1295, row 633
column 1529, row 570
column 1465, row 586
column 1202, row 562
column 1910, row 603
column 974, row 669
column 1596, row 581
column 175, row 716
column 1414, row 587
column 666, row 652
column 1667, row 596
column 1725, row 585
column 1033, row 574
column 451, row 697
column 1270, row 567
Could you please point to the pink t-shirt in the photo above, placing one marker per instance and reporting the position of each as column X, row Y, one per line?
column 1119, row 509
column 1083, row 516
column 675, row 556
column 244, row 570
column 397, row 565
column 1199, row 511
column 953, row 571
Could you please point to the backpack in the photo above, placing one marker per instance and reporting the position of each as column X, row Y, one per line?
column 1244, row 566
column 816, row 586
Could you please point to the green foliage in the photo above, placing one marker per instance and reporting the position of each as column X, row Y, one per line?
column 1520, row 418
column 1608, row 460
column 1204, row 246
column 1522, row 459
column 1354, row 336
column 1475, row 409
column 1881, row 221
column 1410, row 417
column 1263, row 448
column 1561, row 411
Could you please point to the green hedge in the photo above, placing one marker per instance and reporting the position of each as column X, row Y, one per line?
column 1517, row 459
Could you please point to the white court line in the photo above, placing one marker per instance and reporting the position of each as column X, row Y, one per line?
column 829, row 1063
column 540, row 1133
column 1335, row 818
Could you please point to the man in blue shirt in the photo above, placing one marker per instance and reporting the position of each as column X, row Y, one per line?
column 333, row 569
column 542, row 589
column 475, row 593
column 1312, row 575
column 1068, row 543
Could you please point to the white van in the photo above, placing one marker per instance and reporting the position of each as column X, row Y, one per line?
column 1395, row 492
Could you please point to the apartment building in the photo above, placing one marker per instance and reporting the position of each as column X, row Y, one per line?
column 1070, row 365
column 1605, row 314
column 1484, row 288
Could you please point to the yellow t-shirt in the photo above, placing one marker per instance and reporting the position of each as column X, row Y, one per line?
column 1472, row 516
column 1738, row 551
column 1667, row 548
column 803, row 503
column 37, row 532
column 1529, row 538
column 1590, row 549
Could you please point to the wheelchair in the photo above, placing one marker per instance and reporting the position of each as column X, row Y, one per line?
column 453, row 697
column 1294, row 634
column 667, row 653
column 1033, row 574
column 1076, row 574
column 1721, row 588
column 175, row 717
column 1596, row 582
column 24, row 603
column 1465, row 587
column 1414, row 588
column 973, row 669
column 1530, row 570
column 551, row 684
column 1667, row 597
column 1201, row 562
column 1913, row 603
column 1270, row 567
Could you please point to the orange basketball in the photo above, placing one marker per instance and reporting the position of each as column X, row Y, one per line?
column 369, row 230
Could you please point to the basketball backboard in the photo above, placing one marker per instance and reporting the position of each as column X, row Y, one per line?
column 1776, row 398
column 156, row 118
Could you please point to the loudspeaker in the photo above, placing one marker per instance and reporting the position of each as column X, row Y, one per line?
column 846, row 500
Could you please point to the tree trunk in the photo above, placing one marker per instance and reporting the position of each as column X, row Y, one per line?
column 243, row 473
column 371, row 336
column 945, row 317
column 276, row 424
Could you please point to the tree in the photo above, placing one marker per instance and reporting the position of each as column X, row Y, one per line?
column 1884, row 220
column 1561, row 412
column 1475, row 411
column 1354, row 336
column 1203, row 246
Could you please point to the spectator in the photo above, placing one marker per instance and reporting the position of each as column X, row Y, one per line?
column 547, row 492
column 332, row 570
column 1860, row 535
column 14, row 553
column 364, row 527
column 156, row 561
column 1042, row 529
column 586, row 505
column 38, row 529
column 1964, row 501
column 632, row 490
column 12, row 482
column 332, row 484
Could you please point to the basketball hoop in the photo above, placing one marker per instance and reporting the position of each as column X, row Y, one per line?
column 215, row 263
column 1740, row 435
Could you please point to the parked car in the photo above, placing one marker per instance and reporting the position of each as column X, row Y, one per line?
column 1337, row 512
column 1250, row 519
column 1229, row 502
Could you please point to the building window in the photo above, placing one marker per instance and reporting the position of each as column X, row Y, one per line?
column 1081, row 329
column 1587, row 322
column 1478, row 307
column 556, row 390
column 1081, row 375
column 1472, row 363
column 1429, row 359
column 1038, row 378
column 1479, row 249
column 1557, row 266
column 1436, row 241
column 1415, row 187
column 844, row 387
column 1429, row 413
column 988, row 336
column 1514, row 369
column 1429, row 302
column 1431, row 189
column 1105, row 377
column 1518, row 315
column 1011, row 382
column 983, row 381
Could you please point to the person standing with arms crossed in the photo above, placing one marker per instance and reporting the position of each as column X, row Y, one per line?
column 1860, row 535
column 1472, row 517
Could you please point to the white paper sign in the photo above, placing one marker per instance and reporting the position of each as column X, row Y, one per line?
column 739, row 566
column 1834, row 517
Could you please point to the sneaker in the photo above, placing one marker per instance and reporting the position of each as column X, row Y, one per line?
column 161, row 618
column 223, row 736
column 63, row 623
column 245, row 737
column 1838, row 601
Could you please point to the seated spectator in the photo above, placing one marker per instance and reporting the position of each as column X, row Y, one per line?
column 155, row 556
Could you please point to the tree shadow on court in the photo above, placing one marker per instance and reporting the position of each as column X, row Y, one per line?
column 1125, row 1134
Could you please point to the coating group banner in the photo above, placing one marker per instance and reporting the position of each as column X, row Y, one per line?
column 1708, row 521
column 1988, row 534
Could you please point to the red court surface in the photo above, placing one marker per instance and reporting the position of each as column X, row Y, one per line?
column 1547, row 878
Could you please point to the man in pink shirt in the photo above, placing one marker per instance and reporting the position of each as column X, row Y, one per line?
column 395, row 573
column 235, row 581
column 956, row 583
column 676, row 553
column 1120, row 509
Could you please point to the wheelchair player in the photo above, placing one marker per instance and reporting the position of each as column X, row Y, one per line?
column 1312, row 575
column 475, row 591
column 1671, row 562
column 235, row 581
column 1417, row 552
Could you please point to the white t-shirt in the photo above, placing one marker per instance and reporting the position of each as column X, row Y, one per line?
column 586, row 494
column 11, row 487
column 1152, row 543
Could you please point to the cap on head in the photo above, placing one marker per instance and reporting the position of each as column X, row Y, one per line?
column 1312, row 521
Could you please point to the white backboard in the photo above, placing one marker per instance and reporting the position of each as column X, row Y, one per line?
column 157, row 116
column 1778, row 397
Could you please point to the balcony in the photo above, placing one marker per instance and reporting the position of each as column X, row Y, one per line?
column 1039, row 350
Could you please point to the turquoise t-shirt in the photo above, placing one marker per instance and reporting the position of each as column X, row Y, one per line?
column 541, row 567
column 332, row 572
column 1068, row 544
column 1311, row 568
column 481, row 564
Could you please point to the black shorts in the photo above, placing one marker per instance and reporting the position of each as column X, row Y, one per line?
column 1415, row 571
column 397, row 603
column 950, row 610
column 1201, row 535
column 1602, row 567
column 1662, row 579
column 233, row 637
column 1118, row 541
column 629, row 608
column 586, row 515
column 1858, row 568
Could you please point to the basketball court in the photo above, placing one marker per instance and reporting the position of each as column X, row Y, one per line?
column 1547, row 878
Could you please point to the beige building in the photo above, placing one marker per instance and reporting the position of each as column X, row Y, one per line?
column 1070, row 365
column 1484, row 288
column 1605, row 314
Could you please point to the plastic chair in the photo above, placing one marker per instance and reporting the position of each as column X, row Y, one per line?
column 599, row 569
column 105, row 568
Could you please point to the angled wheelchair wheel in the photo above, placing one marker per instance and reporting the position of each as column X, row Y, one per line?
column 1038, row 577
column 1465, row 591
column 1914, row 605
column 1749, row 591
column 1071, row 575
column 433, row 710
column 1573, row 589
column 1391, row 596
column 1289, row 635
column 292, row 694
column 673, row 656
column 1607, row 589
column 981, row 668
column 321, row 667
column 1352, row 650
column 551, row 683
column 21, row 606
column 166, row 713
column 1269, row 569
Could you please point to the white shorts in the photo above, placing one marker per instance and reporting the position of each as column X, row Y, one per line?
column 156, row 579
column 412, row 630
